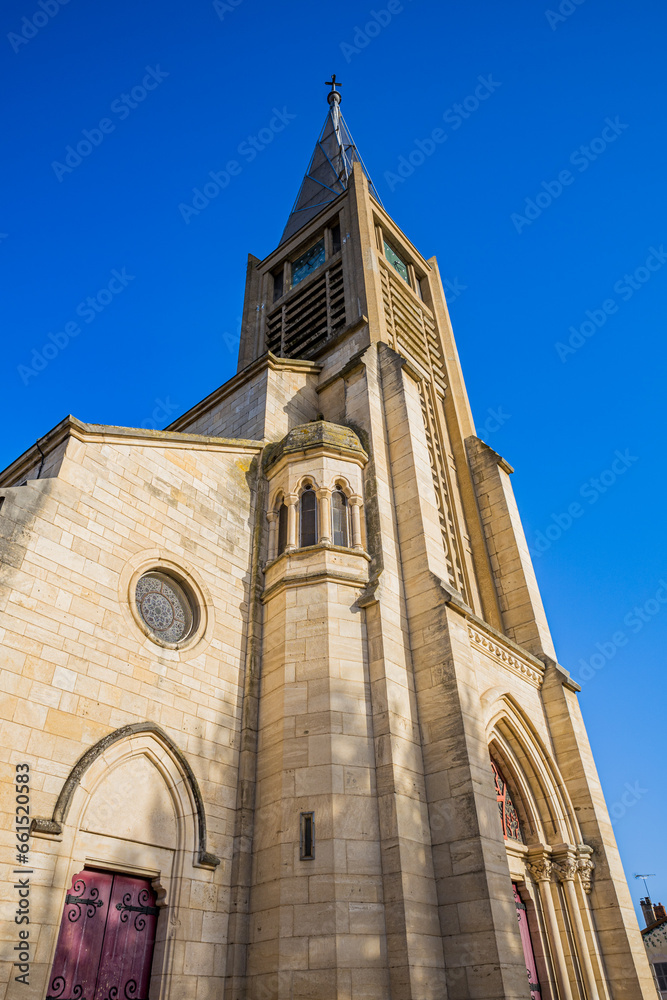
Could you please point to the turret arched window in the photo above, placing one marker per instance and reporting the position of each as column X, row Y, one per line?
column 282, row 528
column 308, row 516
column 339, row 519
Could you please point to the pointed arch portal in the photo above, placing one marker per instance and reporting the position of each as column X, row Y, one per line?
column 54, row 826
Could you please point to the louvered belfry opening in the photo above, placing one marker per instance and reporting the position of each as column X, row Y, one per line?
column 308, row 313
column 311, row 317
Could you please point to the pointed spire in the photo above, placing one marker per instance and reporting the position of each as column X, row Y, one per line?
column 329, row 169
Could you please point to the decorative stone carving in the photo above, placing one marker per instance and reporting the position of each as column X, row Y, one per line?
column 566, row 869
column 586, row 866
column 541, row 869
column 516, row 664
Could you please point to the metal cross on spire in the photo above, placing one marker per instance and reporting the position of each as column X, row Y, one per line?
column 334, row 98
column 332, row 83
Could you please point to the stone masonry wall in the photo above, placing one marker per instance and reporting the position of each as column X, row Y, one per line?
column 264, row 406
column 76, row 667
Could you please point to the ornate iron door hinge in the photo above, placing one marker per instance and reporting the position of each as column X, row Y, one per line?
column 77, row 991
column 129, row 991
column 91, row 904
column 79, row 900
column 153, row 911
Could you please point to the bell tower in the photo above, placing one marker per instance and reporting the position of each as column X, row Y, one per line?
column 406, row 682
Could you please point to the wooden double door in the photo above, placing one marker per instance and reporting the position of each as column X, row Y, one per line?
column 106, row 940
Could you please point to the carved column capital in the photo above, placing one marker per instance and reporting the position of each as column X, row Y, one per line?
column 354, row 501
column 566, row 869
column 586, row 867
column 272, row 516
column 541, row 869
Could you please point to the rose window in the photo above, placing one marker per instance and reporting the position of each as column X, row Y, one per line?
column 164, row 607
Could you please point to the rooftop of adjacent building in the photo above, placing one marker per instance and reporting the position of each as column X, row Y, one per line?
column 654, row 914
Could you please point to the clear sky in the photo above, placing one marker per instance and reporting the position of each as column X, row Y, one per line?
column 545, row 205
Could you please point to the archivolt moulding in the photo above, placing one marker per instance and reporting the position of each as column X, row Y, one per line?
column 54, row 826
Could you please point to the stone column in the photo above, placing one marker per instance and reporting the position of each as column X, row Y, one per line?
column 291, row 500
column 272, row 518
column 541, row 869
column 566, row 869
column 354, row 504
column 324, row 497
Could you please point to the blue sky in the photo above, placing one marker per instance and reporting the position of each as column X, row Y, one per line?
column 545, row 205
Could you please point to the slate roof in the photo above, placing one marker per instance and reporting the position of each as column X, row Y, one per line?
column 328, row 172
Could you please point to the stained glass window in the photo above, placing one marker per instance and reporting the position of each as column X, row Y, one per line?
column 396, row 262
column 508, row 815
column 164, row 607
column 308, row 262
column 308, row 517
column 339, row 518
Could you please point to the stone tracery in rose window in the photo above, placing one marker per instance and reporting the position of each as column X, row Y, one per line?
column 164, row 607
column 508, row 815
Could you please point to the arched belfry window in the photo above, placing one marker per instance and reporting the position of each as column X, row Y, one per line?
column 282, row 528
column 509, row 817
column 308, row 516
column 339, row 525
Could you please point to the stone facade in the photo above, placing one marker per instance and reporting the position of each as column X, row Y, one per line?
column 305, row 776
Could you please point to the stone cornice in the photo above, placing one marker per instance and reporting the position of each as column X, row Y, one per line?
column 500, row 651
column 316, row 564
column 507, row 646
column 70, row 427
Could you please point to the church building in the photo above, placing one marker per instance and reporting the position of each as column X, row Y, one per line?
column 281, row 714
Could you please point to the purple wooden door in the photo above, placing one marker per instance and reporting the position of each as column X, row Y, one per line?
column 528, row 954
column 107, row 934
column 127, row 951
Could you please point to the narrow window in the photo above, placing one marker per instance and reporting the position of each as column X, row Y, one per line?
column 339, row 532
column 396, row 262
column 307, row 851
column 308, row 517
column 335, row 238
column 2, row 500
column 282, row 528
column 277, row 284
